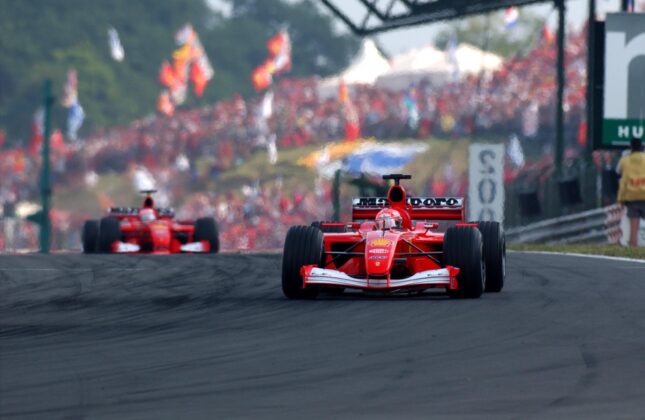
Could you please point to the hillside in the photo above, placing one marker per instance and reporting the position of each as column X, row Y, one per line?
column 43, row 39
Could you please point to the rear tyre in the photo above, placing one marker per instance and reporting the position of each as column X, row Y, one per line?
column 206, row 230
column 494, row 255
column 109, row 232
column 90, row 236
column 329, row 229
column 462, row 248
column 303, row 246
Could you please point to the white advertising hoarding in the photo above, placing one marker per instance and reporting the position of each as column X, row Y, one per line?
column 486, row 182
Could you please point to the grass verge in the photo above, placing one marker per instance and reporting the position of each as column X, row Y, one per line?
column 610, row 250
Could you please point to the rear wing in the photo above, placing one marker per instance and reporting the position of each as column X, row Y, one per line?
column 163, row 212
column 419, row 208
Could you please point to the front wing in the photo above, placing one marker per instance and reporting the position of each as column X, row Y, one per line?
column 120, row 247
column 443, row 277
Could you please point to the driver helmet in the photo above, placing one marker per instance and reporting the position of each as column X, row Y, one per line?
column 387, row 219
column 147, row 215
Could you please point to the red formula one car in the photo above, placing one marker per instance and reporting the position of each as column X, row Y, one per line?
column 148, row 230
column 393, row 245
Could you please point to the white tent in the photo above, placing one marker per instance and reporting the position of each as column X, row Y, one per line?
column 365, row 68
column 415, row 65
column 472, row 60
column 437, row 66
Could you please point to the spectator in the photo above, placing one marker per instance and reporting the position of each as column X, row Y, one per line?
column 631, row 190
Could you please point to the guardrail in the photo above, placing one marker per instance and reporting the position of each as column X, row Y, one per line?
column 593, row 226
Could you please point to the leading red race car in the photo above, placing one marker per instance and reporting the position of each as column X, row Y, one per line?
column 148, row 230
column 393, row 245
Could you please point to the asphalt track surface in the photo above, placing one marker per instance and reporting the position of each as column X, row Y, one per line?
column 191, row 337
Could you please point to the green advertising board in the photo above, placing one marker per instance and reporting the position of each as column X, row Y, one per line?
column 623, row 114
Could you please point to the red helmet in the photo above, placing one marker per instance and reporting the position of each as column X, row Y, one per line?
column 147, row 215
column 388, row 219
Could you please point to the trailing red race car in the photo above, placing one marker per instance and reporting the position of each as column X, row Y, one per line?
column 148, row 230
column 393, row 245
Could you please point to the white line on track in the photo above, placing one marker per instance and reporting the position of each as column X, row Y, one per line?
column 74, row 270
column 575, row 254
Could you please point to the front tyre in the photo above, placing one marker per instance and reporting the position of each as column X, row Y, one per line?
column 90, row 236
column 109, row 233
column 302, row 246
column 206, row 230
column 494, row 255
column 463, row 248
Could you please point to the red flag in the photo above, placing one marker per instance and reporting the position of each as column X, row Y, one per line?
column 198, row 78
column 166, row 75
column 261, row 77
column 280, row 51
column 279, row 60
column 352, row 123
column 165, row 105
column 276, row 43
column 548, row 34
column 37, row 128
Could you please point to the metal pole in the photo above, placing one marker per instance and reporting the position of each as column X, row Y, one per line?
column 336, row 196
column 591, row 191
column 45, row 188
column 559, row 118
column 591, row 80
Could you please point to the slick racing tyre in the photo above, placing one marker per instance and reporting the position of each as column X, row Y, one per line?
column 303, row 246
column 494, row 255
column 90, row 236
column 109, row 232
column 329, row 229
column 206, row 230
column 462, row 248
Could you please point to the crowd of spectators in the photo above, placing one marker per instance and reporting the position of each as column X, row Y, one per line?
column 185, row 153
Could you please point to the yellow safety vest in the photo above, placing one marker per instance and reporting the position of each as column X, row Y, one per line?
column 632, row 181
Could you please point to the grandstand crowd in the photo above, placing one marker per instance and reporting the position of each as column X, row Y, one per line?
column 186, row 152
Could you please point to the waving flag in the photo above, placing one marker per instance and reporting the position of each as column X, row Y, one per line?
column 382, row 158
column 189, row 64
column 75, row 118
column 410, row 103
column 75, row 113
column 37, row 130
column 116, row 49
column 343, row 92
column 451, row 53
column 352, row 121
column 515, row 151
column 279, row 47
column 70, row 89
column 279, row 61
column 262, row 76
column 165, row 105
column 266, row 107
column 511, row 15
column 547, row 34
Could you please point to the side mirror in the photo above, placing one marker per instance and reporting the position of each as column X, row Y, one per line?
column 428, row 226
